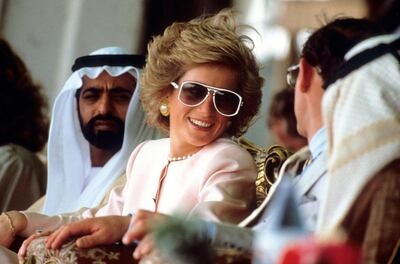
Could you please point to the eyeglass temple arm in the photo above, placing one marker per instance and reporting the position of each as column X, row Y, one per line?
column 175, row 85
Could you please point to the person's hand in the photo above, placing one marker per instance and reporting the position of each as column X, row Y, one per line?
column 140, row 229
column 11, row 223
column 24, row 247
column 93, row 231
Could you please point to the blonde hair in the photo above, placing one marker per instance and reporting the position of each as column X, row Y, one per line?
column 202, row 40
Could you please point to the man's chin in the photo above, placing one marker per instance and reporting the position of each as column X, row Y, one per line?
column 113, row 147
column 106, row 144
column 104, row 132
column 110, row 131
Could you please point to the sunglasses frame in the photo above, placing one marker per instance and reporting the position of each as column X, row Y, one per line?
column 210, row 89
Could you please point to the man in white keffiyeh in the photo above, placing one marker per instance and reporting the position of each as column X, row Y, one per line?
column 88, row 144
column 362, row 113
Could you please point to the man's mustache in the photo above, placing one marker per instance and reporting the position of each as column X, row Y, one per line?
column 104, row 118
column 104, row 139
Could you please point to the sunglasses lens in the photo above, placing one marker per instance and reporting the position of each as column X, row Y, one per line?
column 227, row 102
column 192, row 93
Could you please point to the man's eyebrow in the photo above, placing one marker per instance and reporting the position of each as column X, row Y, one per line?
column 91, row 89
column 115, row 89
column 120, row 89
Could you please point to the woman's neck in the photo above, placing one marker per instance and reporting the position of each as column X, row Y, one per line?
column 182, row 150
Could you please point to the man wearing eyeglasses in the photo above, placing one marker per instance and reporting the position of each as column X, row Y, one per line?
column 321, row 56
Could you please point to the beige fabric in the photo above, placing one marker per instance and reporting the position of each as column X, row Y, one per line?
column 120, row 181
column 22, row 178
column 361, row 113
column 37, row 206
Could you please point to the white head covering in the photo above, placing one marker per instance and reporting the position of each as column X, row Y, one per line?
column 68, row 151
column 362, row 115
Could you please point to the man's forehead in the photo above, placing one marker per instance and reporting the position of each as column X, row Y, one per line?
column 125, row 80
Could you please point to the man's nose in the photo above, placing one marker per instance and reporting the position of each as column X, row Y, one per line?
column 104, row 105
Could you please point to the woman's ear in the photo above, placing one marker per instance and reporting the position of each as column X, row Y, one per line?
column 305, row 75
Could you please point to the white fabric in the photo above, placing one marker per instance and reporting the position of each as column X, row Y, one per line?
column 92, row 174
column 362, row 115
column 68, row 151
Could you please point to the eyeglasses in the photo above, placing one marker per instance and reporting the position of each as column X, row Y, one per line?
column 292, row 74
column 191, row 93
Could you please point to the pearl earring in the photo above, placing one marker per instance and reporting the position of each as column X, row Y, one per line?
column 164, row 108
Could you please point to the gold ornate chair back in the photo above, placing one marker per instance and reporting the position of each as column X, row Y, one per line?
column 268, row 161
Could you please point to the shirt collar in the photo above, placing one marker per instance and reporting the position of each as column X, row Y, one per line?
column 318, row 142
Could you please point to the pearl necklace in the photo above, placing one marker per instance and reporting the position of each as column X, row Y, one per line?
column 171, row 159
column 164, row 174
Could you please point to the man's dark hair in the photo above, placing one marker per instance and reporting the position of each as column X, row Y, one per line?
column 22, row 106
column 327, row 46
column 384, row 12
column 282, row 108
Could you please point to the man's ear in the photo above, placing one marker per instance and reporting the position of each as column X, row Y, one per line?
column 305, row 75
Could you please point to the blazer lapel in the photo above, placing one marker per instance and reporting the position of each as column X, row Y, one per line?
column 313, row 172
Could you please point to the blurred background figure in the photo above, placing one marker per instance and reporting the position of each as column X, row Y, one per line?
column 23, row 132
column 282, row 121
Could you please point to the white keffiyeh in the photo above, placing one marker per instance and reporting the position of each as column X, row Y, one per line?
column 362, row 115
column 68, row 151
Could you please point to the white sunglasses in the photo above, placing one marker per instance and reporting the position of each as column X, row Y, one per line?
column 192, row 93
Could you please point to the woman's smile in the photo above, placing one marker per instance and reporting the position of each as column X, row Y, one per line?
column 200, row 123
